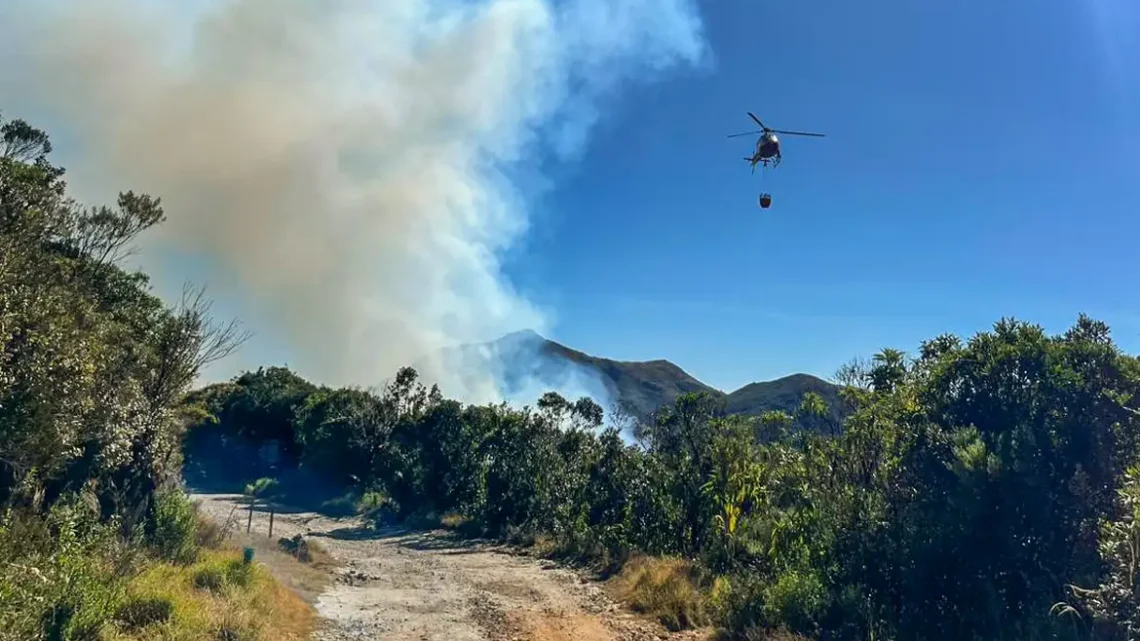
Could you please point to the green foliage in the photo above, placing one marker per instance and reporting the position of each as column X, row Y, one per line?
column 1114, row 604
column 138, row 613
column 211, row 578
column 61, row 577
column 796, row 600
column 965, row 489
column 735, row 477
column 93, row 370
column 244, row 602
column 92, row 366
column 173, row 528
column 370, row 502
column 262, row 488
column 223, row 574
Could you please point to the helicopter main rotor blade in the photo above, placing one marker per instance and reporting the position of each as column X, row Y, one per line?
column 753, row 116
column 746, row 133
column 797, row 133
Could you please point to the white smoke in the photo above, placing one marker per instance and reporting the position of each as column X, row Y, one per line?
column 348, row 164
column 525, row 366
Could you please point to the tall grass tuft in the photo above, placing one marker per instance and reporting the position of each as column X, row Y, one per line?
column 667, row 589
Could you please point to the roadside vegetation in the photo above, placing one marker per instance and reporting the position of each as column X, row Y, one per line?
column 97, row 540
column 979, row 489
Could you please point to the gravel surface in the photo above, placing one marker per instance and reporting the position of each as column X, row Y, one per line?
column 400, row 585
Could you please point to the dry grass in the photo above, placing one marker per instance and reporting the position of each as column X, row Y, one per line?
column 218, row 597
column 761, row 634
column 453, row 521
column 544, row 545
column 667, row 589
column 307, row 551
column 309, row 580
column 319, row 557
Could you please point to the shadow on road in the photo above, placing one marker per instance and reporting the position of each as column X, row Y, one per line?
column 296, row 493
column 440, row 541
column 403, row 535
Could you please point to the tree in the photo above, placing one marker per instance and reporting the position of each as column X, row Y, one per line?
column 888, row 371
column 92, row 366
column 682, row 438
column 343, row 434
column 814, row 414
column 734, row 481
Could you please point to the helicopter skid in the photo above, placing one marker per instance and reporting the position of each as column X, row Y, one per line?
column 764, row 161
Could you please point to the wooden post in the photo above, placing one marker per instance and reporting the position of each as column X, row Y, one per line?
column 249, row 522
column 271, row 523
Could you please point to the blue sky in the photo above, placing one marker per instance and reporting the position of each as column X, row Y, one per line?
column 980, row 162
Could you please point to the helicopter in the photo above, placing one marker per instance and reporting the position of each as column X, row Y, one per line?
column 768, row 145
column 768, row 150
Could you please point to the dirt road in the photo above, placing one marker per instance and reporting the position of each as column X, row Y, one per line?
column 400, row 585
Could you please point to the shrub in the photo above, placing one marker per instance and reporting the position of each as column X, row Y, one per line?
column 238, row 626
column 297, row 547
column 209, row 534
column 211, row 577
column 793, row 604
column 757, row 633
column 138, row 613
column 173, row 531
column 263, row 488
column 338, row 506
column 61, row 576
column 797, row 601
column 454, row 521
column 238, row 573
column 219, row 575
column 370, row 501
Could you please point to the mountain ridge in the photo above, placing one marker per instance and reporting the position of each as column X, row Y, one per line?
column 638, row 388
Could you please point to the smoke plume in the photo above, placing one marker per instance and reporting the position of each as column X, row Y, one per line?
column 350, row 165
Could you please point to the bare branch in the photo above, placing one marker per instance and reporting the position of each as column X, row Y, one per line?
column 188, row 341
column 854, row 373
column 215, row 341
